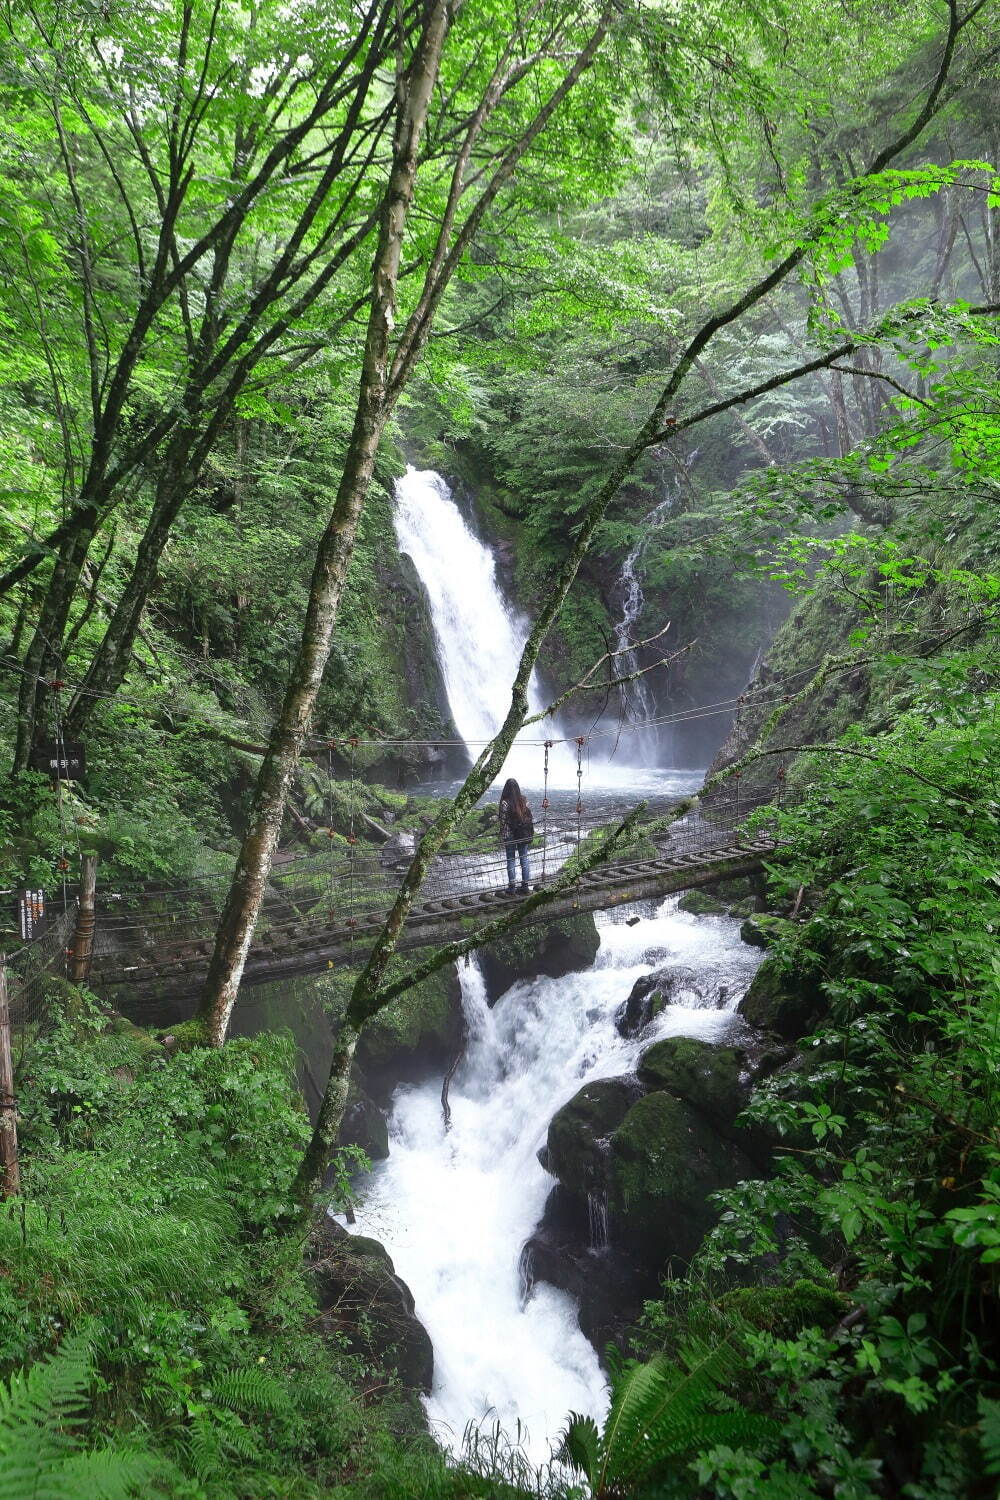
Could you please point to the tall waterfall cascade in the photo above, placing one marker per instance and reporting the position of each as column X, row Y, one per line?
column 479, row 636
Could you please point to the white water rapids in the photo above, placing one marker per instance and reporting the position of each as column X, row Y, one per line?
column 454, row 1208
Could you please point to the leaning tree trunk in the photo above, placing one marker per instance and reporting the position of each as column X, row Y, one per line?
column 246, row 892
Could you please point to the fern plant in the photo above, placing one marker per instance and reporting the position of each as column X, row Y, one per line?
column 660, row 1415
column 41, row 1411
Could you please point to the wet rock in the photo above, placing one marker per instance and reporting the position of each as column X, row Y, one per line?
column 701, row 904
column 555, row 948
column 666, row 986
column 361, row 1298
column 666, row 1160
column 364, row 1125
column 783, row 1001
column 764, row 929
column 414, row 1037
column 576, row 1151
column 609, row 1286
column 714, row 1080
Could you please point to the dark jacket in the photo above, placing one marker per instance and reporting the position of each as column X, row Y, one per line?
column 512, row 830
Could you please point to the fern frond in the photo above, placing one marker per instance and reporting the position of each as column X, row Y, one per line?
column 39, row 1411
column 252, row 1391
column 108, row 1474
column 581, row 1445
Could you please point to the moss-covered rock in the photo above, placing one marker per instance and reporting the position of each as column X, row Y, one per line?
column 418, row 1032
column 576, row 1150
column 709, row 1077
column 701, row 904
column 785, row 1310
column 364, row 1124
column 764, row 929
column 783, row 1001
column 553, row 948
column 666, row 1161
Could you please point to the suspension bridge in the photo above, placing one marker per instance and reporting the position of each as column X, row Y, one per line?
column 151, row 943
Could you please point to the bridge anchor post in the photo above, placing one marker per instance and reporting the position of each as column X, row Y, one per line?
column 86, row 919
column 10, row 1171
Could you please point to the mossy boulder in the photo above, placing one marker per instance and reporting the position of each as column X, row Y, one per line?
column 763, row 929
column 666, row 1161
column 701, row 904
column 364, row 1124
column 782, row 1000
column 576, row 1151
column 785, row 1310
column 553, row 948
column 711, row 1078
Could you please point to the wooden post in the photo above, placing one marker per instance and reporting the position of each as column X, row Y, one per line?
column 83, row 937
column 10, row 1173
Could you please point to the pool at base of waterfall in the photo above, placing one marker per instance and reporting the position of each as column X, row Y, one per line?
column 455, row 1207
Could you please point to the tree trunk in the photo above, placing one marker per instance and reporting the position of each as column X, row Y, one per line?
column 239, row 918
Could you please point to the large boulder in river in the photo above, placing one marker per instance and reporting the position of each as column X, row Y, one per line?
column 666, row 1160
column 577, row 1148
column 564, row 946
column 649, row 1164
column 671, row 985
column 783, row 1000
column 714, row 1080
column 363, row 1301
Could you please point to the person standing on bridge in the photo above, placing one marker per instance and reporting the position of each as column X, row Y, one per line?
column 517, row 829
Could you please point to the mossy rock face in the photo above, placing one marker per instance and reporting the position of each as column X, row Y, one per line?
column 666, row 1162
column 701, row 904
column 364, row 1125
column 782, row 1001
column 362, row 1300
column 576, row 1151
column 553, row 948
column 786, row 1310
column 764, row 929
column 702, row 1074
column 736, row 889
column 418, row 1032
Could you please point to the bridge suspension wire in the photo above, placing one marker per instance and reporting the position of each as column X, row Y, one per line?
column 545, row 806
column 679, row 716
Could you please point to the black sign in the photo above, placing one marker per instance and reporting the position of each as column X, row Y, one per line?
column 31, row 914
column 66, row 761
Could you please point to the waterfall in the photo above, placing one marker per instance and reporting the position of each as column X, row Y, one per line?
column 479, row 636
column 454, row 1208
column 654, row 743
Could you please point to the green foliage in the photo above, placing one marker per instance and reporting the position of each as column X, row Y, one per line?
column 660, row 1414
column 39, row 1451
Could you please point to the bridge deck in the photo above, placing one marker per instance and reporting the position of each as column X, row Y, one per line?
column 302, row 945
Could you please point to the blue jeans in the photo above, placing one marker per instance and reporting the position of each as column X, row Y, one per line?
column 518, row 849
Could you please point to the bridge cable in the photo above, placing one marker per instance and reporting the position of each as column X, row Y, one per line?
column 545, row 808
column 580, row 742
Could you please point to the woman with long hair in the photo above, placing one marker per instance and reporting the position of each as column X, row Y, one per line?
column 517, row 829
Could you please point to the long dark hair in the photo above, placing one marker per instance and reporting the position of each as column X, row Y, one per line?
column 514, row 798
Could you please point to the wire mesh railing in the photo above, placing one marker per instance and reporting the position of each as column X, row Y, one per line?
column 141, row 927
